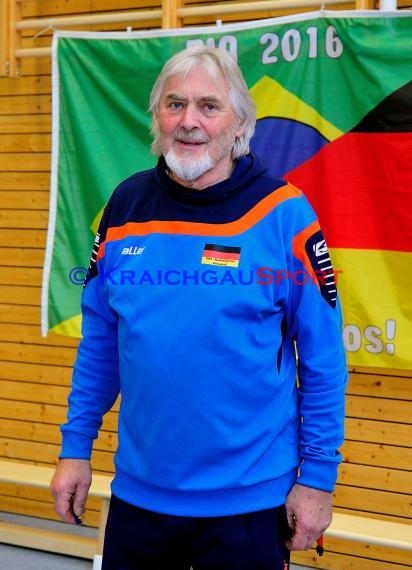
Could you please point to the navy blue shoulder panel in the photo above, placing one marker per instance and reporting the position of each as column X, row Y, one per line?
column 152, row 195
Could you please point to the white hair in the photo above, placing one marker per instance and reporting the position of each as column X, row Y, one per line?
column 215, row 62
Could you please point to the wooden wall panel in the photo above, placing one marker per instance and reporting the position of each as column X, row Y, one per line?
column 35, row 373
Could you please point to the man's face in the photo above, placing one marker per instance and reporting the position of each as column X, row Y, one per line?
column 197, row 128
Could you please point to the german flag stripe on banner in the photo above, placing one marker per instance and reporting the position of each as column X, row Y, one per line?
column 364, row 206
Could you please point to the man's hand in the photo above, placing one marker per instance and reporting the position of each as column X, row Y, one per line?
column 309, row 513
column 69, row 487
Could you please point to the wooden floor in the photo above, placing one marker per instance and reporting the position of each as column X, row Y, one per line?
column 16, row 558
column 13, row 557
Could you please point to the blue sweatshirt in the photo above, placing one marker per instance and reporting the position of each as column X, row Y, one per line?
column 201, row 309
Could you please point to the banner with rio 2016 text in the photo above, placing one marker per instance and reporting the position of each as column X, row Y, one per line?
column 333, row 92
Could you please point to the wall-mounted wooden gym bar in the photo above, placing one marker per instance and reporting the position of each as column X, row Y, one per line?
column 171, row 14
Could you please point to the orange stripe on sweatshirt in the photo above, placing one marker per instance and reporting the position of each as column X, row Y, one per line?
column 299, row 250
column 252, row 217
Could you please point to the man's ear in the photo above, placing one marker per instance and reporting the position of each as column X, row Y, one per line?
column 241, row 129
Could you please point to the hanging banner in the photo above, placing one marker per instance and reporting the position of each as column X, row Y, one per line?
column 333, row 92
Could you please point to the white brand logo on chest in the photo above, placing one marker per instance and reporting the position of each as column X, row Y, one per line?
column 133, row 250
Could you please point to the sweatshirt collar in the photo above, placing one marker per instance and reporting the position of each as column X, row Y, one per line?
column 247, row 168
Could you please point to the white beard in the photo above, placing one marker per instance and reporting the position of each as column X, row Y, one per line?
column 188, row 169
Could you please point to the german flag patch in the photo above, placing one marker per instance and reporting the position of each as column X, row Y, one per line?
column 224, row 255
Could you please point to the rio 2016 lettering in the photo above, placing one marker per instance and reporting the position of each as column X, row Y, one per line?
column 287, row 46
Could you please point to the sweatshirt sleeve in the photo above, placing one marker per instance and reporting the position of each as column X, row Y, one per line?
column 95, row 380
column 315, row 324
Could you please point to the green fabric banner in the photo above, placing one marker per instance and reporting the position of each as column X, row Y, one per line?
column 333, row 92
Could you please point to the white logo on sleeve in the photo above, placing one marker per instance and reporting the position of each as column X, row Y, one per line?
column 320, row 248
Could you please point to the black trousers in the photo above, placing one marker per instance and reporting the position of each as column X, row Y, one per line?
column 138, row 539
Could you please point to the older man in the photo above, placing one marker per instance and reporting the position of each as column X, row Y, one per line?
column 197, row 311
